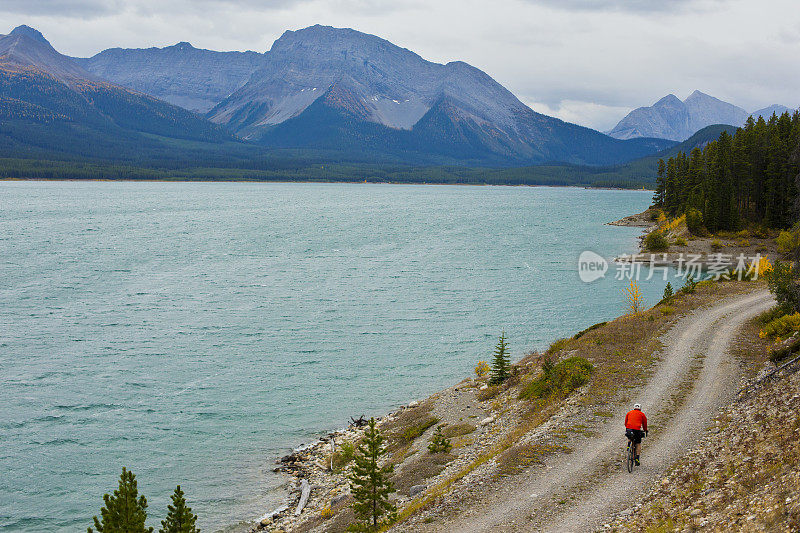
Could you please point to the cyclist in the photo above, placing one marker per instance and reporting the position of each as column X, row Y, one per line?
column 636, row 428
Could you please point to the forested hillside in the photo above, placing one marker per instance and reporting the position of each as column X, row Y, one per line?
column 748, row 178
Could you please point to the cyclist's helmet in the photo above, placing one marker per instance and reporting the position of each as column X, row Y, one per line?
column 637, row 406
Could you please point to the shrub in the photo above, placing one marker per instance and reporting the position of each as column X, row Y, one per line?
column 343, row 456
column 326, row 513
column 656, row 242
column 781, row 352
column 761, row 232
column 716, row 245
column 547, row 364
column 770, row 314
column 458, row 430
column 694, row 222
column 673, row 224
column 482, row 369
column 633, row 298
column 744, row 234
column 689, row 285
column 563, row 378
column 783, row 282
column 744, row 243
column 667, row 310
column 764, row 265
column 656, row 215
column 488, row 393
column 415, row 430
column 781, row 327
column 439, row 443
column 789, row 243
column 680, row 241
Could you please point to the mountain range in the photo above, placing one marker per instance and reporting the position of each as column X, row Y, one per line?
column 346, row 92
column 50, row 104
column 339, row 94
column 671, row 118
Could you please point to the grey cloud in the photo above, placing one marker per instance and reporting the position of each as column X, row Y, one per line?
column 61, row 8
column 634, row 6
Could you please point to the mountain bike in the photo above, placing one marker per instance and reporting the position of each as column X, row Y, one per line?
column 631, row 462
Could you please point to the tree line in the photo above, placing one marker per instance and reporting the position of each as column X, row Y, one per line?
column 750, row 178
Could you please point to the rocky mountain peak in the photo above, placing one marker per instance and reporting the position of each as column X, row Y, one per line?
column 30, row 33
column 183, row 45
column 342, row 44
column 669, row 100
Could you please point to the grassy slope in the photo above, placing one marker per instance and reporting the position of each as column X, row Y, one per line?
column 744, row 475
column 622, row 352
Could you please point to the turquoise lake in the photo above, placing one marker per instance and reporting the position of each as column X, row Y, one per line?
column 194, row 332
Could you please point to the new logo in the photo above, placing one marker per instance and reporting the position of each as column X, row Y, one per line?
column 591, row 266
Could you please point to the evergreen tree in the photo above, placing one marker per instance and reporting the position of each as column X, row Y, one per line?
column 125, row 511
column 750, row 177
column 668, row 291
column 369, row 482
column 661, row 185
column 179, row 516
column 501, row 363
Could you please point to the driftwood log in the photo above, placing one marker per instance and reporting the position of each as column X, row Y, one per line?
column 358, row 422
column 305, row 492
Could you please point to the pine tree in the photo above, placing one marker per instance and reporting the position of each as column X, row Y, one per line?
column 179, row 516
column 661, row 185
column 668, row 292
column 125, row 511
column 501, row 364
column 369, row 482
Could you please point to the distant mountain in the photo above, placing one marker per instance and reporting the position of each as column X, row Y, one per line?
column 670, row 118
column 49, row 102
column 343, row 90
column 320, row 91
column 26, row 46
column 181, row 74
column 768, row 111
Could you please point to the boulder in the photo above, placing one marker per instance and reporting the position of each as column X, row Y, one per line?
column 416, row 489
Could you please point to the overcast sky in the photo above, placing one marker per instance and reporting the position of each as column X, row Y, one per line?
column 585, row 61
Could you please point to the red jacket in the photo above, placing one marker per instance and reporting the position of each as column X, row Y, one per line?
column 636, row 420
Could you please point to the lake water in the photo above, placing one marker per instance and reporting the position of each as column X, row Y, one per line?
column 194, row 331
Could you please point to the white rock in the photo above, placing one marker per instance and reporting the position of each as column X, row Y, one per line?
column 484, row 387
column 487, row 420
column 413, row 403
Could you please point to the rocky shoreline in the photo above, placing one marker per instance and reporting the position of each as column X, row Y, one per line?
column 307, row 463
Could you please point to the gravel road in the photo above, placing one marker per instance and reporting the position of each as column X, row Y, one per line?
column 582, row 490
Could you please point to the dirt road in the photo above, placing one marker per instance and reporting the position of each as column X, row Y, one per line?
column 579, row 491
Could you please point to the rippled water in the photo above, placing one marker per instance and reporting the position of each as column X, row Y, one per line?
column 194, row 331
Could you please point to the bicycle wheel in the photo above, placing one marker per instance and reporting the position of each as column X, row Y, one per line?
column 631, row 456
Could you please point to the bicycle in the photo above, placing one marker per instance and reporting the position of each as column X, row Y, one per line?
column 631, row 453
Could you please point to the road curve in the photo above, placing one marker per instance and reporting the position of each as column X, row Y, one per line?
column 577, row 492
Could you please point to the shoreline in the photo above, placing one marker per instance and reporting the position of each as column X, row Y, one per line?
column 307, row 460
column 504, row 429
column 324, row 181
